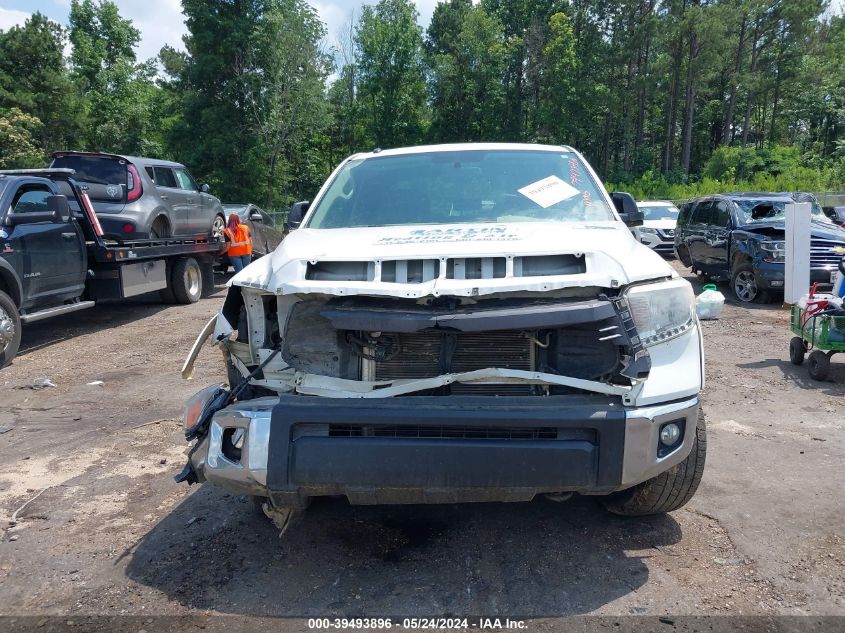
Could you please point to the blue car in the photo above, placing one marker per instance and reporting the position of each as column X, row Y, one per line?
column 740, row 237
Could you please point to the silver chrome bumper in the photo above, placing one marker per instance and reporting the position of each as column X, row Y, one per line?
column 249, row 474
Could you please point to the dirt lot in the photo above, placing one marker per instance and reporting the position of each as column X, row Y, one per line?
column 111, row 533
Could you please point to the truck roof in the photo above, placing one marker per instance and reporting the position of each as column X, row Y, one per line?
column 462, row 147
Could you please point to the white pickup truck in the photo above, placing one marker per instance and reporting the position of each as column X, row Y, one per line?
column 456, row 323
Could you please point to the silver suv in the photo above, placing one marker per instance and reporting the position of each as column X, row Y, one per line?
column 139, row 198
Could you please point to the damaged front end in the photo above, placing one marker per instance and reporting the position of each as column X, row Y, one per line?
column 545, row 381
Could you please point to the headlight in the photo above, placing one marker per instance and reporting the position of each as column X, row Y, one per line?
column 773, row 251
column 662, row 311
column 201, row 406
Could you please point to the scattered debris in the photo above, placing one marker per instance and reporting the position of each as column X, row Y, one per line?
column 14, row 520
column 138, row 426
column 39, row 383
column 728, row 561
column 95, row 383
column 163, row 460
column 6, row 429
column 14, row 537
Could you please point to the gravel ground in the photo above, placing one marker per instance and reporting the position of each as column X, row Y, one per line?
column 110, row 533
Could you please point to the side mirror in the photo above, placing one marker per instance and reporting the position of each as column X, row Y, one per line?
column 296, row 213
column 33, row 217
column 627, row 208
column 59, row 207
column 205, row 188
column 255, row 216
column 839, row 215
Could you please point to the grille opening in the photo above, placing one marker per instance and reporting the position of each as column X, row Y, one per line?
column 420, row 356
column 411, row 271
column 447, row 432
column 545, row 265
column 340, row 271
column 476, row 268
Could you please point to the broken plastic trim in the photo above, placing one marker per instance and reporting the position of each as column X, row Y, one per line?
column 314, row 385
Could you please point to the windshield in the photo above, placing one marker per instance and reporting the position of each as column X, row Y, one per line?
column 772, row 209
column 102, row 170
column 658, row 212
column 461, row 187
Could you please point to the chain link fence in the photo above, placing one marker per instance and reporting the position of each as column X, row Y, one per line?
column 279, row 216
column 831, row 198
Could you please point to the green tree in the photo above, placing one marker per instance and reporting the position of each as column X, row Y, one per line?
column 117, row 91
column 19, row 133
column 214, row 133
column 35, row 80
column 284, row 82
column 467, row 56
column 391, row 80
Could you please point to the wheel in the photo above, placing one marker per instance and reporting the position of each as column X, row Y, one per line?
column 683, row 255
column 797, row 350
column 668, row 491
column 186, row 281
column 217, row 226
column 818, row 364
column 10, row 329
column 160, row 228
column 744, row 285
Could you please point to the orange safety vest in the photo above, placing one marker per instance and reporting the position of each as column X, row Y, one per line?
column 240, row 241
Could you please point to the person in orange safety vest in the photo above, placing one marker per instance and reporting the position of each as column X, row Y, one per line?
column 239, row 239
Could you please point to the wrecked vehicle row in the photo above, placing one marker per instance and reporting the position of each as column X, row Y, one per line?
column 456, row 323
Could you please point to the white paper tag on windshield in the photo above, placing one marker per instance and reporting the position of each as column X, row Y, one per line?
column 548, row 191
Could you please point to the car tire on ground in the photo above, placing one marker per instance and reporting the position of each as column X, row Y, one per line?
column 668, row 491
column 797, row 350
column 744, row 285
column 10, row 329
column 818, row 364
column 186, row 281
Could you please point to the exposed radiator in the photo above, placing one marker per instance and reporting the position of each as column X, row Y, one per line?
column 420, row 357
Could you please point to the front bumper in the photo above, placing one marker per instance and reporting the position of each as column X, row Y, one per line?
column 665, row 247
column 429, row 449
column 771, row 275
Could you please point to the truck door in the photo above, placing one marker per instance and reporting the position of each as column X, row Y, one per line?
column 174, row 198
column 717, row 237
column 53, row 260
column 696, row 234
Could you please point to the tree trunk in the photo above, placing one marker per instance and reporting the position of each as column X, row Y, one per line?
column 689, row 106
column 746, row 124
column 727, row 124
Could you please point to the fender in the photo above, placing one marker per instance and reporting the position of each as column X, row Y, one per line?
column 10, row 280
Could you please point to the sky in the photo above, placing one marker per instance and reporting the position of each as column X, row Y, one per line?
column 161, row 21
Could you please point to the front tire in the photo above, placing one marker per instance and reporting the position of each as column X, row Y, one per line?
column 217, row 227
column 668, row 491
column 744, row 285
column 10, row 330
column 797, row 350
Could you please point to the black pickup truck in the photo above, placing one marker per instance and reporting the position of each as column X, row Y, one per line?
column 54, row 260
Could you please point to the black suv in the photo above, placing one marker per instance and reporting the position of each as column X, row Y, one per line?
column 740, row 237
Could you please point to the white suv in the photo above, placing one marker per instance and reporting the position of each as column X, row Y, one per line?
column 658, row 230
column 456, row 323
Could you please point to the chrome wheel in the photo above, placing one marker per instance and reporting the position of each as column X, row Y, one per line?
column 217, row 228
column 745, row 286
column 7, row 330
column 192, row 275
